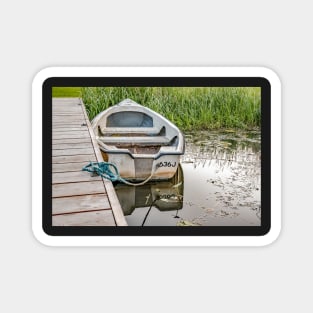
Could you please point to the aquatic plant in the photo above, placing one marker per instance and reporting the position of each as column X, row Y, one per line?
column 190, row 108
column 66, row 91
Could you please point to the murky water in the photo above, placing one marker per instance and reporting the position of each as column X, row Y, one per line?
column 218, row 184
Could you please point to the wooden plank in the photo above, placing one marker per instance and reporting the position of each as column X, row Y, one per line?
column 70, row 135
column 77, row 189
column 57, row 123
column 78, row 151
column 68, row 167
column 66, row 108
column 115, row 204
column 57, row 115
column 74, row 158
column 55, row 126
column 70, row 141
column 95, row 218
column 67, row 124
column 80, row 204
column 82, row 131
column 76, row 145
column 67, row 116
column 66, row 99
column 67, row 120
column 72, row 177
column 69, row 129
column 66, row 105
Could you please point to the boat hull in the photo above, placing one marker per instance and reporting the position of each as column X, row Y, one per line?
column 138, row 169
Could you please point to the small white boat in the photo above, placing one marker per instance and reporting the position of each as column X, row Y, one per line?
column 140, row 142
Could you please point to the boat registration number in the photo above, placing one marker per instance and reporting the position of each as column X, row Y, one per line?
column 166, row 164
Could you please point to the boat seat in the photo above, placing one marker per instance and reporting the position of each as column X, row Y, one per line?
column 148, row 131
column 137, row 140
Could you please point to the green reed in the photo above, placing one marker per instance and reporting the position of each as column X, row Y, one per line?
column 190, row 108
column 66, row 92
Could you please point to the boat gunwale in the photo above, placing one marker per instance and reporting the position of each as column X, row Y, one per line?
column 130, row 107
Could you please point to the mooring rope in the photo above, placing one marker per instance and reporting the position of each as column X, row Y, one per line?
column 104, row 169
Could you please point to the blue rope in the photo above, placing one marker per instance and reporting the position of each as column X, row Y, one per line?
column 104, row 169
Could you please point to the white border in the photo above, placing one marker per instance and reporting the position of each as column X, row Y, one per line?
column 156, row 72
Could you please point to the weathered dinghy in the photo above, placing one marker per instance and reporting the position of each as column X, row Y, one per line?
column 140, row 142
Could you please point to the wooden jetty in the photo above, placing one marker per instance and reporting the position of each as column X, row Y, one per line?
column 78, row 199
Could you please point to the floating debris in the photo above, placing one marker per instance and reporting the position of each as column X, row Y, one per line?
column 147, row 198
column 223, row 213
column 187, row 223
column 208, row 210
column 177, row 185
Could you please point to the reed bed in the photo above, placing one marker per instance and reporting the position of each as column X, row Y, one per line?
column 190, row 108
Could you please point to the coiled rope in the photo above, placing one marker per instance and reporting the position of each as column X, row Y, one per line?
column 109, row 171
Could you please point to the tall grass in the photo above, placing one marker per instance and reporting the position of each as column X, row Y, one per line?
column 66, row 91
column 190, row 108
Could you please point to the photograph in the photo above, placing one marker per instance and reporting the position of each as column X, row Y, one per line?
column 156, row 156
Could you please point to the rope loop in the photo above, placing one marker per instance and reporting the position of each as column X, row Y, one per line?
column 109, row 171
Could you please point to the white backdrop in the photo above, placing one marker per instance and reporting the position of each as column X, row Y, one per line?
column 35, row 35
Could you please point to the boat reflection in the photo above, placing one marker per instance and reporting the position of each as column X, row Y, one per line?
column 163, row 195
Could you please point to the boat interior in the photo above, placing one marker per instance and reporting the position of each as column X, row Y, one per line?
column 135, row 131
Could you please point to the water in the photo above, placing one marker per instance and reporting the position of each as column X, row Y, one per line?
column 218, row 184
